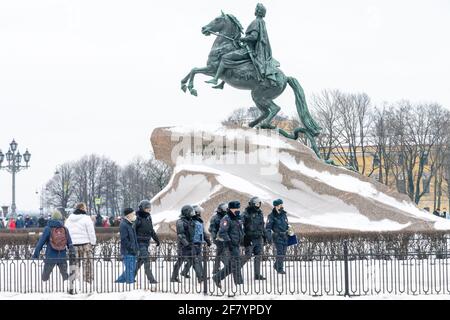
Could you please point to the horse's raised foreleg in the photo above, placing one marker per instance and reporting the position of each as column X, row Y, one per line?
column 190, row 77
column 273, row 111
column 184, row 81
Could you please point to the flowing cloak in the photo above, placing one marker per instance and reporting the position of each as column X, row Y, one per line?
column 264, row 61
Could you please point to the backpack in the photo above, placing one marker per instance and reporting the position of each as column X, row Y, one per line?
column 58, row 238
column 198, row 232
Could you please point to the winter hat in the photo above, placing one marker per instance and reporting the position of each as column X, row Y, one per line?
column 145, row 204
column 234, row 205
column 127, row 211
column 277, row 202
column 56, row 215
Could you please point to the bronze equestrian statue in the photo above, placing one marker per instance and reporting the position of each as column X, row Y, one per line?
column 246, row 63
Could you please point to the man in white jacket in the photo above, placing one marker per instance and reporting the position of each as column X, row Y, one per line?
column 82, row 231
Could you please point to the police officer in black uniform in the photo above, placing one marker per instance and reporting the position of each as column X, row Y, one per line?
column 231, row 232
column 197, row 243
column 214, row 226
column 254, row 238
column 185, row 234
column 277, row 227
column 145, row 232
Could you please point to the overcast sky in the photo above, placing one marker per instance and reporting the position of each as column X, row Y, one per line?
column 79, row 77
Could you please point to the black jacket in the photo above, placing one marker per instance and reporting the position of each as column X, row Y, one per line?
column 231, row 229
column 42, row 222
column 277, row 223
column 253, row 223
column 214, row 225
column 99, row 221
column 185, row 231
column 128, row 241
column 144, row 227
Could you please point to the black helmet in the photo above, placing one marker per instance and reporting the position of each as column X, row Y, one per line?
column 222, row 207
column 145, row 204
column 187, row 211
column 254, row 201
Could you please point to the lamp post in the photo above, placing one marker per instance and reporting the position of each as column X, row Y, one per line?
column 14, row 159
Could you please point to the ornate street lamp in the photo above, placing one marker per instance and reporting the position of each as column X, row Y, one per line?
column 14, row 166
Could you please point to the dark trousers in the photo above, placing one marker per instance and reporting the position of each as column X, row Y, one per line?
column 143, row 259
column 194, row 260
column 183, row 254
column 255, row 248
column 220, row 256
column 281, row 248
column 48, row 268
column 232, row 265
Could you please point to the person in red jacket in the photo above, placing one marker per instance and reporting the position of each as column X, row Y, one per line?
column 12, row 224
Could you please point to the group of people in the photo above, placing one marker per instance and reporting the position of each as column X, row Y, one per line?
column 105, row 222
column 21, row 222
column 75, row 239
column 444, row 214
column 228, row 230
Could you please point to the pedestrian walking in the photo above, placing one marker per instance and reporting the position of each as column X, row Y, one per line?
column 145, row 232
column 128, row 246
column 57, row 240
column 277, row 232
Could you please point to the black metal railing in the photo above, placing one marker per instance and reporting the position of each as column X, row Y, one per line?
column 346, row 274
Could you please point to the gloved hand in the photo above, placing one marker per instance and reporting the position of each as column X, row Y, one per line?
column 208, row 243
column 158, row 243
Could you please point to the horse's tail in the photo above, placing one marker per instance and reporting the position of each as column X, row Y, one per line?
column 302, row 108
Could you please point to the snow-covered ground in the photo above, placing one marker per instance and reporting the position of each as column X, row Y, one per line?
column 148, row 295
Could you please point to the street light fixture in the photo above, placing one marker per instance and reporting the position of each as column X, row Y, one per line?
column 14, row 159
column 13, row 145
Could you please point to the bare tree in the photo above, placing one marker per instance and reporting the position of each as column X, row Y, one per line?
column 238, row 117
column 325, row 111
column 93, row 177
column 345, row 120
column 60, row 189
column 420, row 139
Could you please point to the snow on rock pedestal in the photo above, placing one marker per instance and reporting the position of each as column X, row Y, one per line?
column 217, row 165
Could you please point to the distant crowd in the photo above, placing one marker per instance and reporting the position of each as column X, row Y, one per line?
column 27, row 221
column 22, row 222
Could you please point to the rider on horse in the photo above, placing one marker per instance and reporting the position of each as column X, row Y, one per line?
column 258, row 46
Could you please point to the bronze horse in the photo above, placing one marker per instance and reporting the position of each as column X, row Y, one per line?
column 228, row 31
